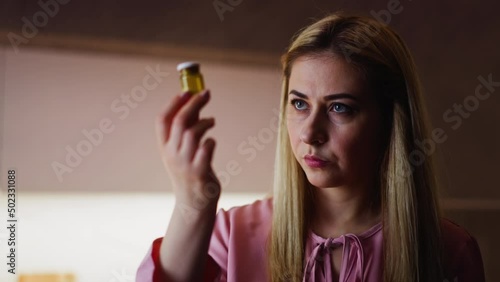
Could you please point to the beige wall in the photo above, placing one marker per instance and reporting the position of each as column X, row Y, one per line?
column 51, row 97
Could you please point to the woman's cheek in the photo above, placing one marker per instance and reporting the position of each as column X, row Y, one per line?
column 349, row 143
column 293, row 137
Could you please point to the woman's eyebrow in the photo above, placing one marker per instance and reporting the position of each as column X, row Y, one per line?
column 327, row 97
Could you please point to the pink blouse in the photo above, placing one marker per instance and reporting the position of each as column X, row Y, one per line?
column 237, row 251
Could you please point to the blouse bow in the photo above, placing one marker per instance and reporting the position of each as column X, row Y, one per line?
column 319, row 265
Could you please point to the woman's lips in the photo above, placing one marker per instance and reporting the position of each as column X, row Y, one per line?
column 315, row 162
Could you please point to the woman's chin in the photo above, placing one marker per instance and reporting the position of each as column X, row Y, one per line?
column 323, row 177
column 323, row 181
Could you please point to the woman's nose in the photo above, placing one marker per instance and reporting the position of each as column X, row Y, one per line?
column 314, row 129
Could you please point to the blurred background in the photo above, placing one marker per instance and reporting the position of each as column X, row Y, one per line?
column 81, row 83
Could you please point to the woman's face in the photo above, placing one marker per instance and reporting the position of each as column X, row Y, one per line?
column 333, row 116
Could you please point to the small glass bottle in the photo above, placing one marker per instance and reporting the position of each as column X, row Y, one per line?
column 190, row 76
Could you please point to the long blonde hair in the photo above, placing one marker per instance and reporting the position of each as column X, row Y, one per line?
column 407, row 179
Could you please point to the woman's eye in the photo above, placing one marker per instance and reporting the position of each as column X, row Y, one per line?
column 298, row 104
column 341, row 108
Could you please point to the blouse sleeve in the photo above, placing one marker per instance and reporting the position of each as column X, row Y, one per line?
column 470, row 267
column 215, row 270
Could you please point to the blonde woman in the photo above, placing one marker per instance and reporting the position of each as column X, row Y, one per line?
column 353, row 199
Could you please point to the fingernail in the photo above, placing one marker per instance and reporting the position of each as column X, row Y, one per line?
column 205, row 93
column 185, row 95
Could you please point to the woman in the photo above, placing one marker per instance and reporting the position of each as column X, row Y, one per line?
column 352, row 201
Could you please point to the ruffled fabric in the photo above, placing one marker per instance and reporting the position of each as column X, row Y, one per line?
column 319, row 263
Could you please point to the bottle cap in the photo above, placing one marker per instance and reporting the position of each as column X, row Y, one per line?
column 185, row 65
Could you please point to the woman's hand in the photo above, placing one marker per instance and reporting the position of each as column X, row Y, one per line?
column 183, row 251
column 188, row 163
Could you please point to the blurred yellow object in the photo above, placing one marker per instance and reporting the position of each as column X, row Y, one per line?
column 191, row 77
column 67, row 277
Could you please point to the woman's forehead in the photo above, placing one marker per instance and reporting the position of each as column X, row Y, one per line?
column 318, row 76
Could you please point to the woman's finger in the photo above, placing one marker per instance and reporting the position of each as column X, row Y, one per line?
column 192, row 137
column 186, row 117
column 204, row 155
column 164, row 120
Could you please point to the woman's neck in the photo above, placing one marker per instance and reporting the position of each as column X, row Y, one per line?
column 341, row 210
